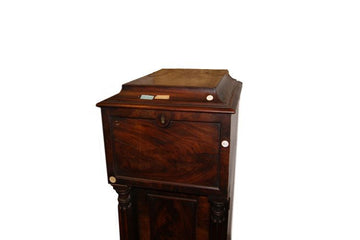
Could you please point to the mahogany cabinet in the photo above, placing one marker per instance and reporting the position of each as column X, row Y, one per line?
column 170, row 143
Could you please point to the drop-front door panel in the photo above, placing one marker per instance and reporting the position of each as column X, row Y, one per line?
column 181, row 149
column 182, row 152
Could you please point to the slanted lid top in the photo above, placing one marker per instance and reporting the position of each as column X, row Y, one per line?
column 200, row 78
column 202, row 90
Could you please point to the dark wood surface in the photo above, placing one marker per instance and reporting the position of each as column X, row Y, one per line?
column 197, row 78
column 148, row 155
column 165, row 158
column 186, row 93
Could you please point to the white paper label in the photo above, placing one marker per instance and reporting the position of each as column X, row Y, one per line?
column 147, row 97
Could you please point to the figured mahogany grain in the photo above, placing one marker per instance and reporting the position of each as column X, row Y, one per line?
column 141, row 150
column 166, row 215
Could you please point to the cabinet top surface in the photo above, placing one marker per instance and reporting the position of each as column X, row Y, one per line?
column 202, row 90
column 197, row 78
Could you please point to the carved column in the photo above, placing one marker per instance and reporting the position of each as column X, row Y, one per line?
column 127, row 220
column 218, row 219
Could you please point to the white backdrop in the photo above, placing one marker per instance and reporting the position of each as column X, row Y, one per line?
column 298, row 159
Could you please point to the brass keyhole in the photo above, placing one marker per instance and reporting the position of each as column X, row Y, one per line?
column 162, row 119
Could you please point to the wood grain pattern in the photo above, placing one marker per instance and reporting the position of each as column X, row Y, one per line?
column 194, row 214
column 175, row 154
column 206, row 78
column 172, row 217
column 187, row 89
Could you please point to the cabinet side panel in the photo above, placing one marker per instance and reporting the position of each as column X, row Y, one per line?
column 232, row 167
column 105, row 115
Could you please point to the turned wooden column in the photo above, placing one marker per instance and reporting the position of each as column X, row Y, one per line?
column 127, row 220
column 218, row 219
